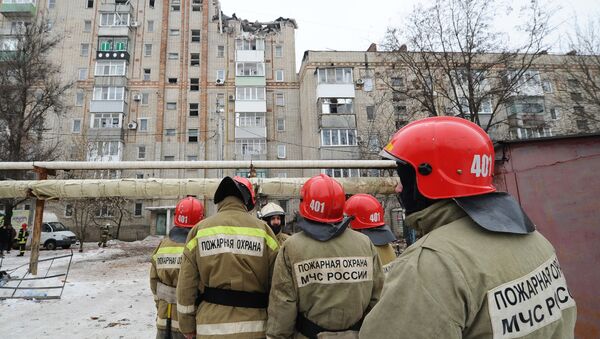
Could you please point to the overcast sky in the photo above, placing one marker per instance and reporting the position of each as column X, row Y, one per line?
column 354, row 25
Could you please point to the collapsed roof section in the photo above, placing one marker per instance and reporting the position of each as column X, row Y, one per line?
column 255, row 28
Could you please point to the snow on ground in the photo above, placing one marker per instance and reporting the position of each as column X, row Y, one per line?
column 107, row 294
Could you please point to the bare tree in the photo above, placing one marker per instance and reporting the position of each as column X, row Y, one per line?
column 83, row 213
column 452, row 62
column 582, row 67
column 31, row 92
column 117, row 209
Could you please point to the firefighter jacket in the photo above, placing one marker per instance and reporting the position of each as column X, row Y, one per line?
column 281, row 237
column 22, row 237
column 386, row 255
column 462, row 281
column 331, row 283
column 164, row 273
column 234, row 252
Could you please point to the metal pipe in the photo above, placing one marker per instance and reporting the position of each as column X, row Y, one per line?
column 212, row 164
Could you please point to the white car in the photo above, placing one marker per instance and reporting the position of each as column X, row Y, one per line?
column 55, row 234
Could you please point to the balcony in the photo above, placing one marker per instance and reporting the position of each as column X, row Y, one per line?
column 16, row 10
column 116, row 6
column 250, row 132
column 113, row 31
column 338, row 121
column 243, row 106
column 110, row 81
column 108, row 106
column 335, row 90
column 112, row 55
column 250, row 56
column 106, row 134
column 250, row 81
column 527, row 120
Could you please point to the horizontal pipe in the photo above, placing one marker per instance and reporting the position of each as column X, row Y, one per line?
column 218, row 164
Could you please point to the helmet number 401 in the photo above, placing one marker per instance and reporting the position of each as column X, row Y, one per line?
column 375, row 217
column 482, row 165
column 317, row 206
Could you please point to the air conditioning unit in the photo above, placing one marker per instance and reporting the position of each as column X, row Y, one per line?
column 134, row 24
column 132, row 125
column 360, row 82
column 232, row 98
column 220, row 81
column 137, row 97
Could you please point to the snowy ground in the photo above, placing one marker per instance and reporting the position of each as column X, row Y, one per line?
column 107, row 295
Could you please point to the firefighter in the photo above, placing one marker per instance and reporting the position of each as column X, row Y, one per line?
column 274, row 216
column 480, row 269
column 166, row 261
column 22, row 239
column 327, row 277
column 368, row 219
column 104, row 235
column 226, row 268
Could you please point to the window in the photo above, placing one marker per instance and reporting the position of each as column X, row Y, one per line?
column 250, row 146
column 280, row 124
column 195, row 35
column 221, row 74
column 250, row 119
column 555, row 113
column 141, row 152
column 281, row 151
column 194, row 84
column 250, row 69
column 485, row 107
column 342, row 172
column 143, row 124
column 112, row 44
column 173, row 32
column 196, row 5
column 220, row 51
column 528, row 105
column 170, row 132
column 397, row 81
column 279, row 75
column 169, row 158
column 150, row 26
column 334, row 75
column 547, row 86
column 579, row 110
column 192, row 135
column 194, row 59
column 278, row 51
column 139, row 175
column 282, row 175
column 79, row 98
column 577, row 97
column 175, row 5
column 528, row 133
column 104, row 151
column 109, row 93
column 250, row 93
column 151, row 4
column 250, row 44
column 68, row 210
column 582, row 125
column 51, row 4
column 171, row 105
column 173, row 56
column 85, row 50
column 370, row 113
column 110, row 67
column 573, row 83
column 106, row 120
column 137, row 209
column 90, row 4
column 193, row 109
column 338, row 137
column 337, row 106
column 145, row 98
column 87, row 26
column 82, row 73
column 172, row 80
column 147, row 73
column 114, row 19
column 76, row 128
column 373, row 143
column 104, row 212
column 147, row 50
column 279, row 99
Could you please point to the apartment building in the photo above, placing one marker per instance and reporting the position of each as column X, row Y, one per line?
column 168, row 81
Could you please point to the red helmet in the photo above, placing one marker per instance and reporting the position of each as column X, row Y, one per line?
column 366, row 210
column 24, row 225
column 236, row 186
column 188, row 212
column 452, row 157
column 322, row 200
